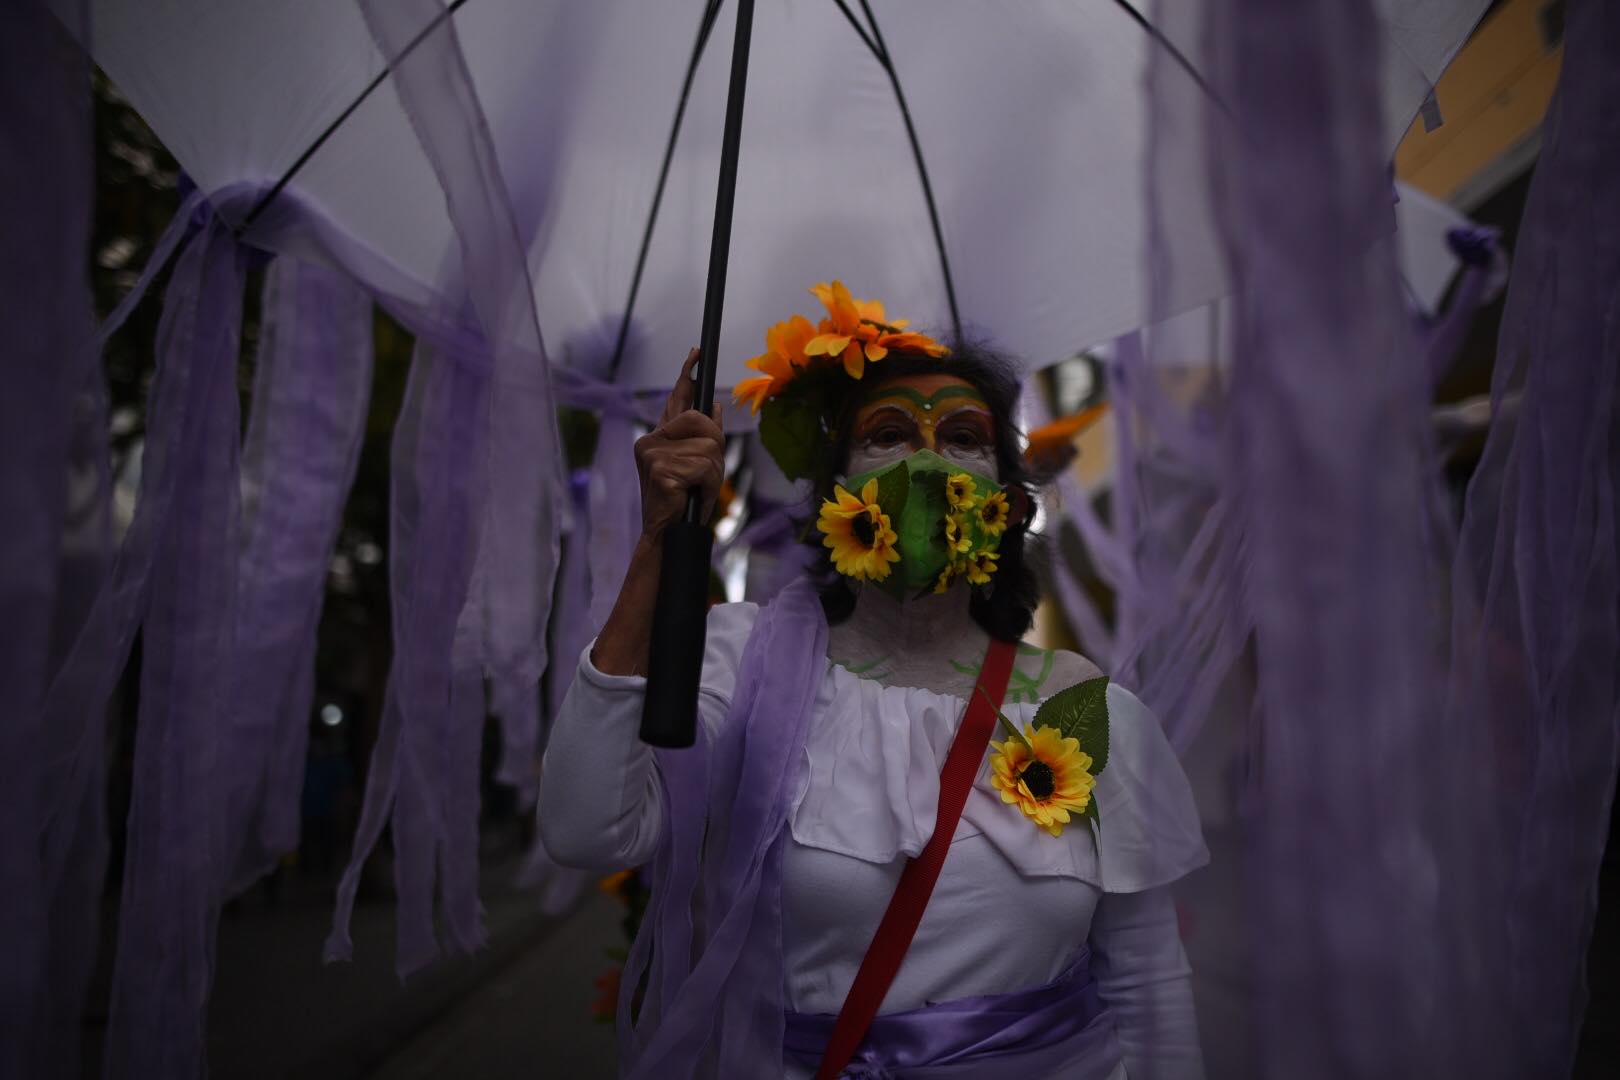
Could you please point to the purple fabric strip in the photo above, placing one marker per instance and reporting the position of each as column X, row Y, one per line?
column 175, row 846
column 420, row 760
column 311, row 389
column 482, row 445
column 1062, row 1028
column 1536, row 631
column 1329, row 473
column 53, row 496
column 710, row 946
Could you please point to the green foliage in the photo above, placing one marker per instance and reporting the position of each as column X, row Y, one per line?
column 1081, row 712
column 790, row 429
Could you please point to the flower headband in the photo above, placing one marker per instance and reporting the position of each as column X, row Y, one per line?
column 796, row 389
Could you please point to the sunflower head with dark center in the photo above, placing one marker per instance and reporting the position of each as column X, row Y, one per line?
column 863, row 529
column 1037, row 776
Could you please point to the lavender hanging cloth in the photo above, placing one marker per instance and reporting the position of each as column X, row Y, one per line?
column 710, row 946
column 53, row 494
column 477, row 481
column 424, row 768
column 311, row 388
column 1368, row 943
column 1536, row 623
column 176, row 850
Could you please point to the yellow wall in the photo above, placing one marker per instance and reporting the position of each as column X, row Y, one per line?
column 1492, row 99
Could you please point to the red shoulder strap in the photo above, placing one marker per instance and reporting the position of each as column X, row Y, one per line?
column 905, row 911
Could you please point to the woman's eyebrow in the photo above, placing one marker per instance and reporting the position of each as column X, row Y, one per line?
column 885, row 411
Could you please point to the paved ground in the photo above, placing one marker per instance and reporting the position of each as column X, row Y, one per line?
column 521, row 1007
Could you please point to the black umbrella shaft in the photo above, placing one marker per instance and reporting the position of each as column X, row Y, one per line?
column 675, row 656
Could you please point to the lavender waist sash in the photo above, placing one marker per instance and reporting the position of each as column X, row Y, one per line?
column 1061, row 1029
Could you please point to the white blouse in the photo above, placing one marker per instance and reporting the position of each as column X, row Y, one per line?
column 1012, row 902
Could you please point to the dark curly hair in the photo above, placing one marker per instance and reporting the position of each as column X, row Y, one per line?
column 1006, row 607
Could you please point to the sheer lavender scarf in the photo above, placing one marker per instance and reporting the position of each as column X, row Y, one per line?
column 710, row 946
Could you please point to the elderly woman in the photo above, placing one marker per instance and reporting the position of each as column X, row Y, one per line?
column 783, row 847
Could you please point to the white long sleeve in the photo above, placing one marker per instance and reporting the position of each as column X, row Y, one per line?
column 1143, row 975
column 601, row 802
column 601, row 799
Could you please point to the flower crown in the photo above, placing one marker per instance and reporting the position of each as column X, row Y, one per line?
column 854, row 334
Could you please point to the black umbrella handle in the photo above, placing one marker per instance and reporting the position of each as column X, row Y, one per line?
column 675, row 656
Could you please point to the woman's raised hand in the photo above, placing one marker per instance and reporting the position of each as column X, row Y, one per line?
column 686, row 450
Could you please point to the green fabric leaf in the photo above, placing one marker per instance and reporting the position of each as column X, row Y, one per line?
column 893, row 486
column 1081, row 712
column 790, row 429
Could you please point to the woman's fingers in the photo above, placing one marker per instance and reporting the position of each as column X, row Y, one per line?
column 692, row 424
column 680, row 398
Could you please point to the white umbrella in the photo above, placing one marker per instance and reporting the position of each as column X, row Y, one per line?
column 1029, row 118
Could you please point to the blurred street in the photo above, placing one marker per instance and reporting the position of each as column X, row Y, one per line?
column 520, row 1007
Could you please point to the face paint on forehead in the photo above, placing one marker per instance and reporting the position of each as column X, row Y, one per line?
column 897, row 393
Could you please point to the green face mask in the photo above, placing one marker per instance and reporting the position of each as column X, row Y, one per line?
column 946, row 521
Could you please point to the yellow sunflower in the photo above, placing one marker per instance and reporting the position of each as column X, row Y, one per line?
column 979, row 570
column 957, row 540
column 947, row 577
column 1045, row 775
column 858, row 532
column 959, row 491
column 993, row 514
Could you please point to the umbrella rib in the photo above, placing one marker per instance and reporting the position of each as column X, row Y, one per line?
column 881, row 50
column 861, row 30
column 711, row 12
column 1170, row 47
column 320, row 140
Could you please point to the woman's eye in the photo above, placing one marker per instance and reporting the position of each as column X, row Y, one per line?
column 964, row 439
column 886, row 437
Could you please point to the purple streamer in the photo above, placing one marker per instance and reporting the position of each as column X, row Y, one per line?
column 1536, row 632
column 476, row 523
column 53, row 495
column 310, row 395
column 1329, row 475
column 432, row 712
column 164, row 963
column 717, row 873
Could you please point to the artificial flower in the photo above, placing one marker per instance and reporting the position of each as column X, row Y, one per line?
column 993, row 514
column 858, row 331
column 1045, row 775
column 959, row 491
column 615, row 882
column 947, row 577
column 979, row 569
column 858, row 532
column 783, row 355
column 957, row 540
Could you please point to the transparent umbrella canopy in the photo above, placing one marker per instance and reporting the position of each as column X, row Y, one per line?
column 976, row 165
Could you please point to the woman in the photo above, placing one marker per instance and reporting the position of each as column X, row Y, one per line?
column 1048, row 946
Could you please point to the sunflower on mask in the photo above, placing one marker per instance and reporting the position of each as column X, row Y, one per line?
column 859, row 534
column 959, row 492
column 993, row 514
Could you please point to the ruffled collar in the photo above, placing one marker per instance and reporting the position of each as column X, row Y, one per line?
column 870, row 789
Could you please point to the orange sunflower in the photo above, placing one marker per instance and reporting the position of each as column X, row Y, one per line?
column 783, row 355
column 859, row 534
column 858, row 331
column 1045, row 775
